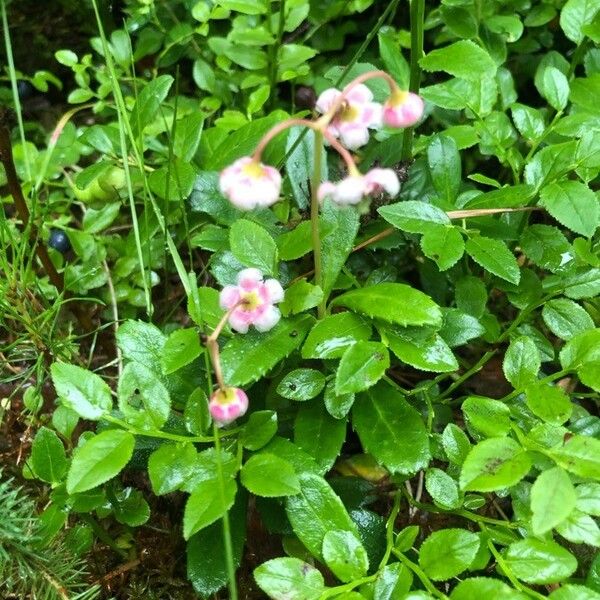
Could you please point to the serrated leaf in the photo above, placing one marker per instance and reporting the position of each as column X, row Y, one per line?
column 566, row 318
column 549, row 402
column 301, row 384
column 521, row 362
column 444, row 245
column 362, row 365
column 391, row 430
column 414, row 216
column 443, row 159
column 462, row 59
column 315, row 511
column 539, row 562
column 206, row 504
column 447, row 553
column 552, row 500
column 252, row 245
column 579, row 455
column 495, row 257
column 494, row 464
column 269, row 476
column 331, row 336
column 572, row 204
column 246, row 358
column 99, row 459
column 289, row 578
column 345, row 555
column 394, row 303
column 48, row 457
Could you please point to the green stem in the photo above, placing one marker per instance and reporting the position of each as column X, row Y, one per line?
column 233, row 595
column 103, row 535
column 314, row 219
column 417, row 18
column 427, row 583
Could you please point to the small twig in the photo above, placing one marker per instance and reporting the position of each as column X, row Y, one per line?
column 118, row 571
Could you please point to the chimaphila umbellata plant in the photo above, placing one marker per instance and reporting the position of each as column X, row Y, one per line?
column 371, row 447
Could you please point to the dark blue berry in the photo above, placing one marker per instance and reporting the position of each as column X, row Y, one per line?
column 59, row 240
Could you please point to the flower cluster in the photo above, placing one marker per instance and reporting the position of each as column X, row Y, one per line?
column 251, row 301
column 353, row 113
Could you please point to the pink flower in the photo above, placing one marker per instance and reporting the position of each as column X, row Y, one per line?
column 355, row 116
column 227, row 404
column 403, row 109
column 354, row 188
column 248, row 184
column 255, row 298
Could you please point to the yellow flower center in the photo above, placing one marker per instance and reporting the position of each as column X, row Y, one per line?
column 398, row 98
column 348, row 112
column 226, row 396
column 253, row 169
column 250, row 301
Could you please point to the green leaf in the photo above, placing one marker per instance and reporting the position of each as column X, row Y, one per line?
column 315, row 511
column 319, row 434
column 130, row 507
column 552, row 500
column 555, row 87
column 143, row 398
column 471, row 296
column 301, row 384
column 478, row 587
column 588, row 498
column 581, row 349
column 361, row 367
column 252, row 245
column 491, row 418
column 442, row 489
column 393, row 581
column 572, row 204
column 337, row 406
column 181, row 348
column 206, row 553
column 289, row 578
column 206, row 504
column 173, row 181
column 462, row 59
column 443, row 159
column 141, row 342
column 494, row 464
column 298, row 165
column 447, row 553
column 455, row 443
column 579, row 455
column 391, row 430
column 269, row 476
column 66, row 57
column 334, row 334
column 547, row 247
column 521, row 362
column 187, row 136
column 539, row 562
column 495, row 257
column 341, row 223
column 48, row 457
column 414, row 216
column 394, row 303
column 580, row 528
column 148, row 103
column 345, row 555
column 99, row 459
column 260, row 428
column 549, row 403
column 574, row 15
column 196, row 414
column 169, row 467
column 395, row 64
column 420, row 349
column 246, row 358
column 565, row 318
column 82, row 391
column 301, row 296
column 444, row 245
column 529, row 121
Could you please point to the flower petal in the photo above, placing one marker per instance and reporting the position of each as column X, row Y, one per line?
column 326, row 99
column 229, row 296
column 248, row 279
column 268, row 319
column 274, row 290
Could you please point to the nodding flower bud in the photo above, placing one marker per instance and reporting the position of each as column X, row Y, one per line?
column 227, row 404
column 255, row 301
column 354, row 188
column 355, row 115
column 248, row 184
column 403, row 109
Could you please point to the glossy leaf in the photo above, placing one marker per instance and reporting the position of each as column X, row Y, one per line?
column 270, row 476
column 539, row 562
column 495, row 257
column 361, row 367
column 331, row 336
column 289, row 578
column 447, row 553
column 552, row 500
column 345, row 555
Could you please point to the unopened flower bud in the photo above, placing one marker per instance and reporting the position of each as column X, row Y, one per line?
column 227, row 404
